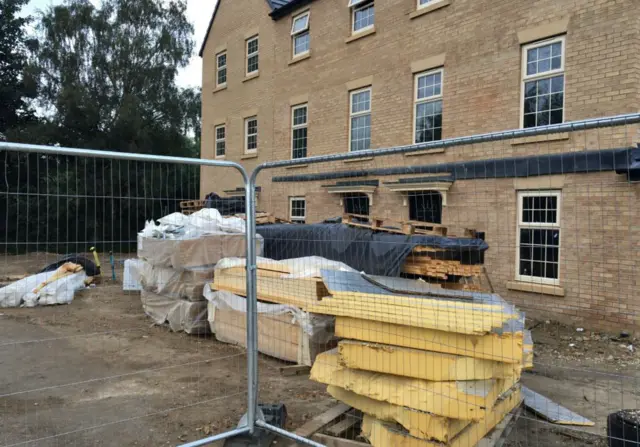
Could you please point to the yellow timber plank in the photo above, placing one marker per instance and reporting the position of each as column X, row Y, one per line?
column 405, row 301
column 419, row 423
column 503, row 348
column 427, row 365
column 445, row 322
column 459, row 400
column 381, row 434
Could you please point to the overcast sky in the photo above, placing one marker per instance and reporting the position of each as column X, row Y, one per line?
column 198, row 12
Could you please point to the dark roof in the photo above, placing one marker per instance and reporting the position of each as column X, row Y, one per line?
column 278, row 9
column 439, row 178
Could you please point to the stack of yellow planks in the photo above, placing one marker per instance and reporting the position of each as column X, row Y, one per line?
column 439, row 369
column 437, row 268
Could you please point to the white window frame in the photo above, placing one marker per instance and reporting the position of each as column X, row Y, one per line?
column 299, row 126
column 246, row 134
column 539, row 225
column 547, row 74
column 356, row 5
column 219, row 68
column 357, row 114
column 427, row 3
column 295, row 34
column 433, row 98
column 250, row 55
column 218, row 140
column 293, row 218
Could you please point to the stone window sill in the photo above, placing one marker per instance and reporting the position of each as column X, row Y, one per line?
column 541, row 138
column 251, row 76
column 248, row 156
column 297, row 167
column 427, row 9
column 425, row 152
column 220, row 157
column 356, row 160
column 543, row 289
column 297, row 59
column 220, row 88
column 360, row 34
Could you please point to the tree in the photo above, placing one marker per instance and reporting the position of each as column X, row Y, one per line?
column 107, row 74
column 106, row 80
column 14, row 91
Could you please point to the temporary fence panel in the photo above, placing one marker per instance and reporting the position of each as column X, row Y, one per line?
column 128, row 357
column 433, row 288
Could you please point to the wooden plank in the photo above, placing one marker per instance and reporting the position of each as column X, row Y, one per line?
column 342, row 426
column 331, row 441
column 320, row 421
column 295, row 370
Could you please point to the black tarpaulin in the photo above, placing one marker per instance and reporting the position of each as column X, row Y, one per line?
column 375, row 253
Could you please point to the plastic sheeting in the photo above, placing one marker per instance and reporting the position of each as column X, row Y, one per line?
column 187, row 284
column 306, row 267
column 376, row 253
column 181, row 315
column 61, row 291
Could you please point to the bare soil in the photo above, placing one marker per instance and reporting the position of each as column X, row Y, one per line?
column 98, row 372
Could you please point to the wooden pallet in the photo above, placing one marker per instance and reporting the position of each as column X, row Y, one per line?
column 338, row 427
column 264, row 218
column 394, row 226
column 191, row 206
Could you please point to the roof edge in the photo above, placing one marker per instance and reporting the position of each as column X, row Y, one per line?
column 278, row 13
column 206, row 35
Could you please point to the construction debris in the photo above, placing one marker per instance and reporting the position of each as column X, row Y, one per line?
column 53, row 287
column 552, row 411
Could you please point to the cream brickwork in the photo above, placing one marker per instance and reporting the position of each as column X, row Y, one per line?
column 479, row 42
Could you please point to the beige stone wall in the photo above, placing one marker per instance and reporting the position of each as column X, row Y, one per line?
column 480, row 42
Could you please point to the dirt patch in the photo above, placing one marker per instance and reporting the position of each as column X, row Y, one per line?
column 98, row 372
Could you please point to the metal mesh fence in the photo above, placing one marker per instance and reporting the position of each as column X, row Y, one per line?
column 104, row 335
column 458, row 279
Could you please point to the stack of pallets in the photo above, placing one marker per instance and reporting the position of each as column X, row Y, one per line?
column 437, row 369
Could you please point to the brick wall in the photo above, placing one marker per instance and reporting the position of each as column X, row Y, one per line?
column 482, row 89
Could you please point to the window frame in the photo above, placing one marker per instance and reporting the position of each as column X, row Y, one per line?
column 246, row 134
column 300, row 126
column 429, row 3
column 520, row 225
column 524, row 78
column 250, row 55
column 434, row 98
column 293, row 218
column 218, row 140
column 299, row 33
column 219, row 68
column 357, row 114
column 358, row 5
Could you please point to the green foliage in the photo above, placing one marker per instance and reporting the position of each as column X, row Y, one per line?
column 106, row 81
column 14, row 89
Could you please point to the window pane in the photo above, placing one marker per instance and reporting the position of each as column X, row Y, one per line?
column 222, row 76
column 220, row 133
column 539, row 209
column 299, row 116
column 544, row 58
column 356, row 203
column 361, row 133
column 429, row 85
column 222, row 60
column 363, row 17
column 300, row 23
column 252, row 64
column 252, row 46
column 541, row 107
column 361, row 102
column 301, row 43
column 299, row 143
column 220, row 148
column 428, row 122
column 425, row 206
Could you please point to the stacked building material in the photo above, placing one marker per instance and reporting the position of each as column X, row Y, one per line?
column 173, row 272
column 285, row 289
column 427, row 366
